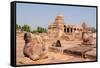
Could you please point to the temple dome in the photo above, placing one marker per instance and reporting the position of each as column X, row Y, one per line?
column 59, row 17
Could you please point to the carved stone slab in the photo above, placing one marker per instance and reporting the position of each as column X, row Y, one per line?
column 79, row 50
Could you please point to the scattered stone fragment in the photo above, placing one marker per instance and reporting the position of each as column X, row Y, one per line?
column 91, row 54
column 87, row 38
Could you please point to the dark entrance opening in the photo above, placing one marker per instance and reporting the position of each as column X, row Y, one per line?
column 67, row 29
column 71, row 29
column 64, row 28
column 74, row 29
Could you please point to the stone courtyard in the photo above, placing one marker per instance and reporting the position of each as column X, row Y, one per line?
column 77, row 44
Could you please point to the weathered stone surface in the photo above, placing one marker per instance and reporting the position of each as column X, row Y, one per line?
column 91, row 54
column 34, row 47
column 27, row 51
column 87, row 38
column 46, row 38
column 85, row 27
column 78, row 59
column 59, row 29
column 79, row 50
column 55, row 49
column 57, row 44
column 69, row 49
column 24, row 60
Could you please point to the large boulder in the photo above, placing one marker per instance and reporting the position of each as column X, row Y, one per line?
column 87, row 38
column 34, row 46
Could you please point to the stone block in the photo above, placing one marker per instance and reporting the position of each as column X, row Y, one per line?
column 78, row 50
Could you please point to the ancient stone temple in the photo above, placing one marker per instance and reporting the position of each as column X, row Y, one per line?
column 58, row 28
column 59, row 21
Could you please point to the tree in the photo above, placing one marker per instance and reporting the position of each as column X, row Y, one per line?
column 40, row 30
column 34, row 31
column 18, row 27
column 26, row 28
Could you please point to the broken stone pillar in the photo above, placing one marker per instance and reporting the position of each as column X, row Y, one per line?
column 87, row 38
column 27, row 51
column 85, row 27
column 34, row 48
column 84, row 31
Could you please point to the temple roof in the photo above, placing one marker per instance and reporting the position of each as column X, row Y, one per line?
column 60, row 17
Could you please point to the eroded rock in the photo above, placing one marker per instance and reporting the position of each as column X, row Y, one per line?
column 34, row 47
column 87, row 38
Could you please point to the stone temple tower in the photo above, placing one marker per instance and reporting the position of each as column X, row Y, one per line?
column 59, row 21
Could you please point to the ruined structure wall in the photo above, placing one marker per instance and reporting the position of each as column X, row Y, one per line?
column 58, row 28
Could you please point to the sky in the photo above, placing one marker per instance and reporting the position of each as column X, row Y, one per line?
column 42, row 15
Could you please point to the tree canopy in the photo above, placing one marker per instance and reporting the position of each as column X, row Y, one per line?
column 26, row 28
column 40, row 30
column 18, row 27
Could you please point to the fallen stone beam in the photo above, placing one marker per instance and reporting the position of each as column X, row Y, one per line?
column 78, row 50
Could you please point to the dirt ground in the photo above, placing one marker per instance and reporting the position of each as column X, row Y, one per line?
column 52, row 57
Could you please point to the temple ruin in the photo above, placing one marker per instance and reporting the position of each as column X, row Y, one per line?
column 62, row 43
column 58, row 28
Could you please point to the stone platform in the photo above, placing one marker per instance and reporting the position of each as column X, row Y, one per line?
column 85, row 52
column 56, row 49
column 79, row 50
